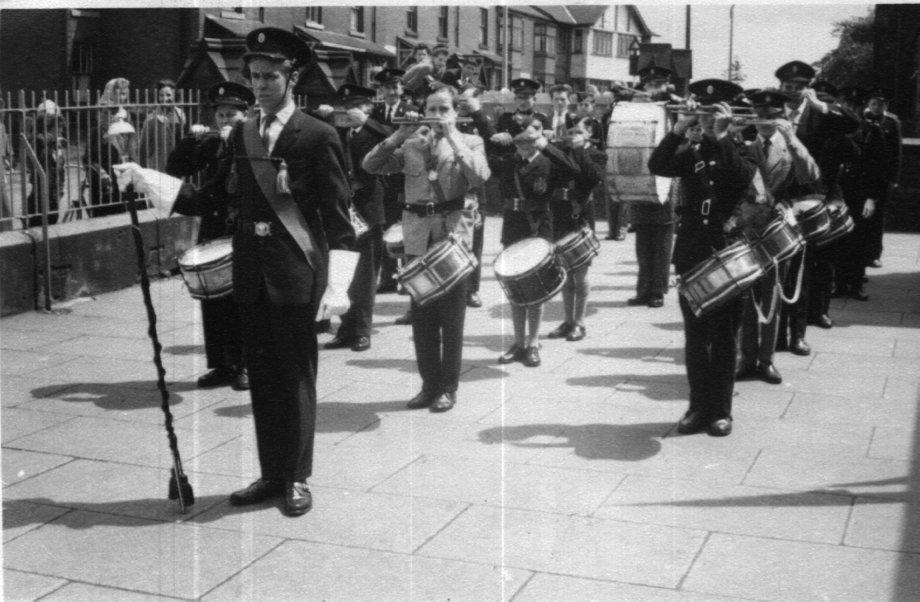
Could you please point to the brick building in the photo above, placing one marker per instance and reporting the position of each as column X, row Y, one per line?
column 82, row 49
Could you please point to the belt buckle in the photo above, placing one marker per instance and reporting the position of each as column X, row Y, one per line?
column 262, row 228
column 429, row 209
column 704, row 209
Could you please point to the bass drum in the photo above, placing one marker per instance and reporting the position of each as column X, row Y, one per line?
column 635, row 130
column 529, row 271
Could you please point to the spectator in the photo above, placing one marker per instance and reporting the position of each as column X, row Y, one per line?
column 100, row 155
column 49, row 148
column 6, row 165
column 162, row 129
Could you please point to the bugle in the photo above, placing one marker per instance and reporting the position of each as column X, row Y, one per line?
column 426, row 120
column 683, row 109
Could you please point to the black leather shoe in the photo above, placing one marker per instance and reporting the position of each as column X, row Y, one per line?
column 720, row 428
column 405, row 319
column 769, row 374
column 822, row 321
column 444, row 402
column 746, row 373
column 800, row 347
column 257, row 493
column 323, row 326
column 338, row 342
column 473, row 300
column 692, row 422
column 515, row 353
column 656, row 302
column 361, row 344
column 531, row 357
column 577, row 333
column 638, row 301
column 422, row 400
column 859, row 295
column 218, row 377
column 241, row 380
column 561, row 331
column 297, row 499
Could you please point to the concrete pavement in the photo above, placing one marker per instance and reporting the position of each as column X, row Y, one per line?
column 559, row 483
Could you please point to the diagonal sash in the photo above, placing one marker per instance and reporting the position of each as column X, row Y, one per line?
column 284, row 206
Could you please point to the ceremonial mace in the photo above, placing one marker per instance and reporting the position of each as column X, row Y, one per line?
column 122, row 136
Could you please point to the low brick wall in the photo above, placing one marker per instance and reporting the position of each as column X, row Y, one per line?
column 88, row 257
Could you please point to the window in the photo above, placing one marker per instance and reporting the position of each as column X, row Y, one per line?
column 81, row 58
column 603, row 43
column 443, row 23
column 578, row 41
column 412, row 19
column 315, row 15
column 563, row 42
column 623, row 43
column 516, row 33
column 483, row 27
column 357, row 19
column 544, row 39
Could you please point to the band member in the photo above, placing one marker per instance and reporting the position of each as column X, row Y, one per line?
column 442, row 167
column 653, row 224
column 572, row 208
column 787, row 171
column 656, row 83
column 391, row 87
column 467, row 74
column 714, row 176
column 511, row 124
column 586, row 116
column 361, row 135
column 877, row 113
column 285, row 174
column 203, row 151
column 469, row 105
column 816, row 123
column 526, row 186
column 416, row 76
column 562, row 119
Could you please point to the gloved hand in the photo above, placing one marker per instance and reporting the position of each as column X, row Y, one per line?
column 335, row 300
column 501, row 138
column 324, row 110
column 161, row 189
column 868, row 208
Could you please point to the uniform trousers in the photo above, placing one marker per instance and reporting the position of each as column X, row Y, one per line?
column 821, row 282
column 363, row 289
column 758, row 341
column 876, row 229
column 478, row 243
column 852, row 256
column 437, row 331
column 281, row 354
column 710, row 347
column 392, row 214
column 794, row 317
column 616, row 211
column 653, row 254
column 222, row 345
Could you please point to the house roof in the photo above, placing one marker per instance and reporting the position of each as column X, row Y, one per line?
column 560, row 14
column 588, row 14
column 338, row 41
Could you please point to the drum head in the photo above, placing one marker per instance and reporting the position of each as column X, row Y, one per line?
column 393, row 235
column 208, row 252
column 522, row 256
column 806, row 205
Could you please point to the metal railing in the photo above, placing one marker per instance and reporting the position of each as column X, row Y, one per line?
column 41, row 178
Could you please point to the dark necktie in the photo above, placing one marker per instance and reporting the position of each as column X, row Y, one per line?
column 266, row 124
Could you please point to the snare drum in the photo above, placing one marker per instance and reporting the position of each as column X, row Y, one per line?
column 721, row 278
column 393, row 241
column 208, row 269
column 778, row 242
column 841, row 224
column 434, row 274
column 529, row 271
column 578, row 248
column 813, row 218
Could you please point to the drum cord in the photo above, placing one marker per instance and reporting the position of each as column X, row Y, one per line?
column 798, row 282
column 774, row 299
column 179, row 487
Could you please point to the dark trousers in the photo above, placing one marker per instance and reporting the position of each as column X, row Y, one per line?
column 653, row 254
column 851, row 257
column 392, row 213
column 710, row 357
column 222, row 344
column 616, row 211
column 794, row 317
column 437, row 330
column 281, row 354
column 363, row 289
column 875, row 231
column 478, row 242
column 758, row 341
column 821, row 283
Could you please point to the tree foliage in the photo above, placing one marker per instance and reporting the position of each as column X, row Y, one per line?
column 734, row 73
column 851, row 63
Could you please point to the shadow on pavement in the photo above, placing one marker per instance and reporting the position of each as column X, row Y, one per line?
column 484, row 369
column 905, row 585
column 661, row 387
column 128, row 395
column 664, row 355
column 334, row 416
column 669, row 326
column 184, row 350
column 627, row 442
column 553, row 310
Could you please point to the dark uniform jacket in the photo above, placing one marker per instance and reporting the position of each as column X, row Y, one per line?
column 319, row 187
column 367, row 189
column 816, row 130
column 890, row 128
column 718, row 171
column 502, row 156
column 578, row 175
column 191, row 156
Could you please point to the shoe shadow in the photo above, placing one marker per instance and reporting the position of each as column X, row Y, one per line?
column 623, row 442
column 122, row 396
column 659, row 387
column 470, row 370
column 184, row 350
column 664, row 355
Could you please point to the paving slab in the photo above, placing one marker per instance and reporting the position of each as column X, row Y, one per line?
column 299, row 570
column 18, row 422
column 20, row 363
column 21, row 517
column 884, row 524
column 124, row 552
column 569, row 545
column 83, row 592
column 19, row 465
column 792, row 515
column 27, row 586
column 761, row 569
column 544, row 586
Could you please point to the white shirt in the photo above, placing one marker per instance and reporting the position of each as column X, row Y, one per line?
column 277, row 124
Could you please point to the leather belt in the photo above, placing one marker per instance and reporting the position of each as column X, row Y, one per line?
column 260, row 229
column 429, row 209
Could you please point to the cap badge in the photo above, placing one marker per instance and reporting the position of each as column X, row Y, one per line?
column 768, row 98
column 795, row 69
column 710, row 90
column 220, row 91
column 261, row 38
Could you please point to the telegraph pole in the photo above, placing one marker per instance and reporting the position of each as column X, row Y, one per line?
column 687, row 29
column 731, row 38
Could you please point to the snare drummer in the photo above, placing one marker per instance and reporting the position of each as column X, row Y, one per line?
column 203, row 151
column 441, row 166
column 572, row 208
column 787, row 170
column 714, row 175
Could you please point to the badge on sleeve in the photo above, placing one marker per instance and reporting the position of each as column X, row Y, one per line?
column 700, row 166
